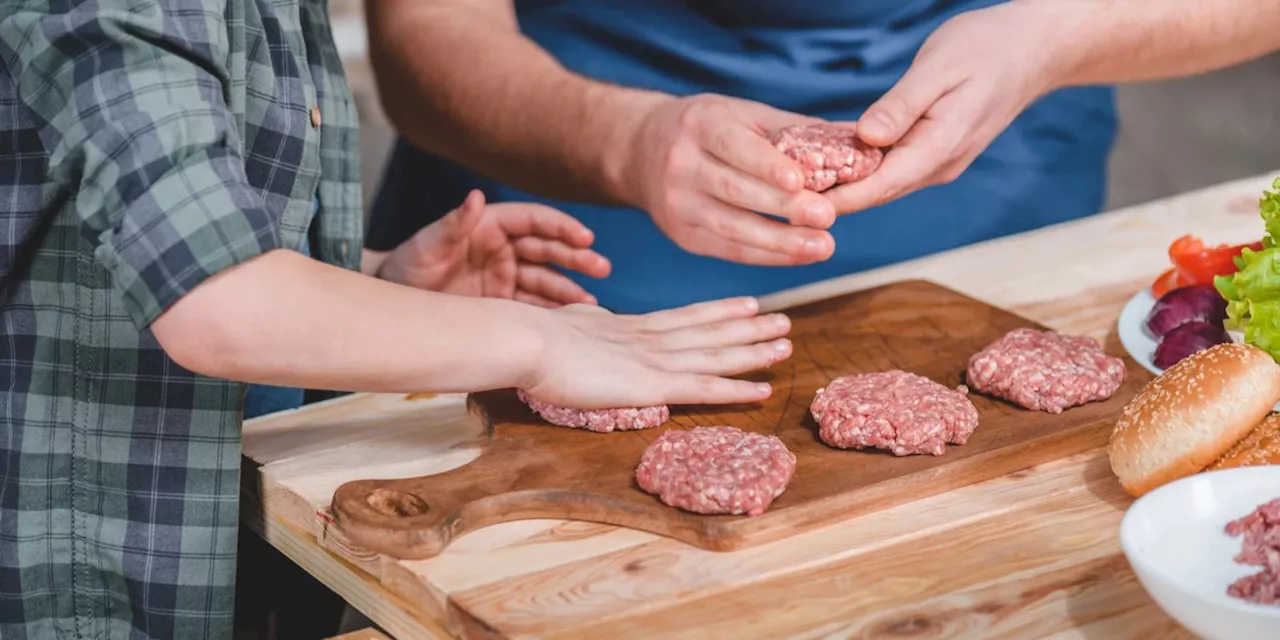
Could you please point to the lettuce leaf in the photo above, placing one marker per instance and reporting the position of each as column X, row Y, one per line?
column 1263, row 331
column 1253, row 292
column 1270, row 206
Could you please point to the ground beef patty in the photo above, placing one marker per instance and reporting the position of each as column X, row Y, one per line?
column 716, row 470
column 901, row 412
column 1045, row 370
column 599, row 420
column 829, row 154
column 1260, row 547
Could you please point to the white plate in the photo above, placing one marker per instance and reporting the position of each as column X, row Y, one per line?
column 1173, row 538
column 1134, row 335
column 1137, row 338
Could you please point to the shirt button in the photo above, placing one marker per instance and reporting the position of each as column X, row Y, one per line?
column 315, row 116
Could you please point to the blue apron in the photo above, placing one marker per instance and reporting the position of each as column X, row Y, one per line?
column 825, row 58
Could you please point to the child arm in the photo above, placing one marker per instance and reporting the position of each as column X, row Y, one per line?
column 284, row 319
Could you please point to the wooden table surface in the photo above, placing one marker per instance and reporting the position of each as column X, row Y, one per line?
column 1031, row 555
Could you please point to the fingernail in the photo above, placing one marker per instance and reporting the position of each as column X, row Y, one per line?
column 781, row 320
column 781, row 345
column 813, row 246
column 751, row 304
column 764, row 389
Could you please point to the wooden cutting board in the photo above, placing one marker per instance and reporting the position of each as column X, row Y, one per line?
column 530, row 469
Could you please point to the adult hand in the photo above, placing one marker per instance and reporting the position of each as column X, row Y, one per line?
column 595, row 360
column 499, row 251
column 969, row 81
column 704, row 170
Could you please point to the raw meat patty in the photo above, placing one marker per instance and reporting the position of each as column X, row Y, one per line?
column 829, row 154
column 599, row 420
column 1260, row 547
column 901, row 412
column 1045, row 370
column 716, row 470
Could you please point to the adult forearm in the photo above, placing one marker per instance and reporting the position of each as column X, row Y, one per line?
column 458, row 79
column 1118, row 41
column 287, row 320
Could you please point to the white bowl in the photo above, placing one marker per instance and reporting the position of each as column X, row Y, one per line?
column 1175, row 541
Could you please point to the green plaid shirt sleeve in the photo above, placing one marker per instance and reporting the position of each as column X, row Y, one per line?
column 145, row 145
column 131, row 107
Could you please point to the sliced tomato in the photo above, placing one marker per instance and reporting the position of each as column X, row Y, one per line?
column 1197, row 264
column 1168, row 281
column 1187, row 245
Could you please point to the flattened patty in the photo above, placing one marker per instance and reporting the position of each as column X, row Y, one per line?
column 897, row 411
column 1045, row 370
column 829, row 154
column 716, row 470
column 599, row 420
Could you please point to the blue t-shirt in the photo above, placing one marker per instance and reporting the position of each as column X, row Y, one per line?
column 826, row 58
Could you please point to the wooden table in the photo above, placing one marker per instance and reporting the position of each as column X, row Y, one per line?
column 1030, row 555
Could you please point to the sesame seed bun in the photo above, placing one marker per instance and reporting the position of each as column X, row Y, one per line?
column 1260, row 447
column 1193, row 414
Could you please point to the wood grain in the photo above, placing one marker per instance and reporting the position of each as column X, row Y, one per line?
column 569, row 578
column 1000, row 559
column 666, row 572
column 532, row 470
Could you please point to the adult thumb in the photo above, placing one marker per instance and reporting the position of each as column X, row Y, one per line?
column 466, row 217
column 892, row 116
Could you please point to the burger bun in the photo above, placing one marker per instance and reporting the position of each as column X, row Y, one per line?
column 1198, row 413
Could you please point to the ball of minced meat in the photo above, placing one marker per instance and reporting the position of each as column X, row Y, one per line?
column 1045, row 370
column 716, row 470
column 900, row 412
column 829, row 154
column 598, row 420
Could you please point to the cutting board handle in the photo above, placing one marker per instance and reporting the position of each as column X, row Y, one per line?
column 385, row 519
column 520, row 475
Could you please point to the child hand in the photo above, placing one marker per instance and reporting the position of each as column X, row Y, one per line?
column 499, row 251
column 594, row 359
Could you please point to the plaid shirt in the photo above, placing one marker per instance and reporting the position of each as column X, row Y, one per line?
column 145, row 145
